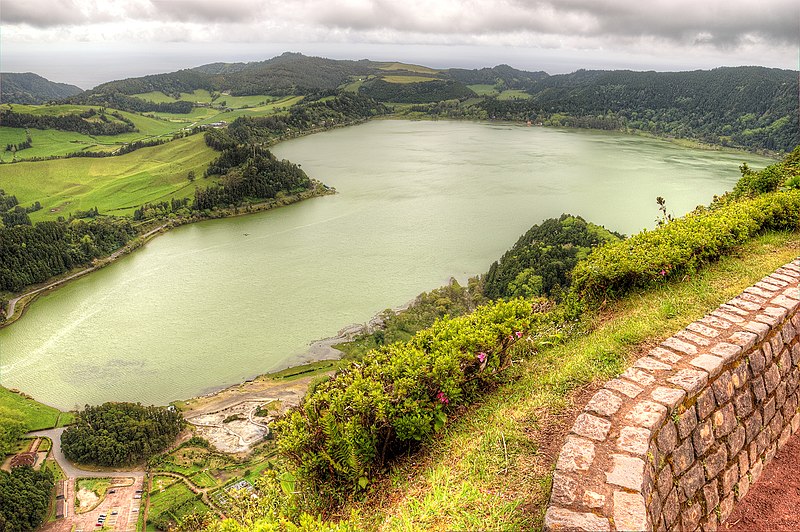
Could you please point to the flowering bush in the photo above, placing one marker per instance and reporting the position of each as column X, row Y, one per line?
column 399, row 395
column 682, row 245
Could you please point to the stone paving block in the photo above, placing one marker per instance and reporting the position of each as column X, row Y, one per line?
column 624, row 387
column 725, row 508
column 665, row 481
column 759, row 391
column 729, row 479
column 713, row 321
column 771, row 321
column 564, row 490
column 680, row 346
column 728, row 316
column 730, row 309
column 639, row 376
column 785, row 302
column 692, row 480
column 604, row 402
column 743, row 459
column 786, row 433
column 742, row 487
column 787, row 332
column 756, row 470
column 711, row 496
column 647, row 414
column 696, row 339
column 682, row 457
column 723, row 387
column 758, row 291
column 735, row 441
column 651, row 364
column 796, row 354
column 708, row 363
column 710, row 523
column 629, row 511
column 669, row 397
column 744, row 304
column 785, row 362
column 740, row 374
column 768, row 410
column 744, row 339
column 705, row 403
column 592, row 427
column 686, row 422
column 703, row 437
column 752, row 426
column 749, row 296
column 577, row 454
column 634, row 440
column 772, row 377
column 715, row 462
column 667, row 438
column 728, row 352
column 770, row 287
column 776, row 342
column 593, row 499
column 557, row 518
column 690, row 380
column 665, row 355
column 671, row 507
column 774, row 281
column 758, row 328
column 780, row 275
column 626, row 471
column 758, row 361
column 705, row 330
column 724, row 420
column 780, row 395
column 795, row 423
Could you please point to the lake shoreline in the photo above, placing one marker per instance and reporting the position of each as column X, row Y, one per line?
column 18, row 305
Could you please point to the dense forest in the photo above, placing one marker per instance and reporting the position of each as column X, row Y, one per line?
column 752, row 107
column 421, row 92
column 541, row 261
column 503, row 76
column 90, row 122
column 24, row 498
column 118, row 100
column 119, row 434
column 33, row 254
column 31, row 89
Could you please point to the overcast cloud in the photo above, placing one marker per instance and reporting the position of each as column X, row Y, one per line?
column 531, row 34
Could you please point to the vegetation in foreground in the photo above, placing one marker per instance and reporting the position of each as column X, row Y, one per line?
column 24, row 498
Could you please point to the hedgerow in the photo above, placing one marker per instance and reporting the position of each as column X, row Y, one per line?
column 351, row 425
column 683, row 245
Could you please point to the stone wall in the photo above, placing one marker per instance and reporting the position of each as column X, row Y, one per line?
column 682, row 434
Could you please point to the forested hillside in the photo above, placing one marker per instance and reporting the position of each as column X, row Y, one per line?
column 751, row 107
column 30, row 88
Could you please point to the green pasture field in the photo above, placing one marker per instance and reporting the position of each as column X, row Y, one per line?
column 271, row 108
column 406, row 79
column 115, row 185
column 35, row 415
column 409, row 68
column 198, row 96
column 483, row 89
column 513, row 94
column 48, row 110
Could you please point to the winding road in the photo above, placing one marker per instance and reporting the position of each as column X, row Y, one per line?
column 70, row 469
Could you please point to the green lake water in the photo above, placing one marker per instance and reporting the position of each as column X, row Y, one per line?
column 214, row 303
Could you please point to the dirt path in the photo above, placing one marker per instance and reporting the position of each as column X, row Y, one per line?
column 771, row 503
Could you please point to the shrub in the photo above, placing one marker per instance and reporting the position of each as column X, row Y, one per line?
column 350, row 426
column 683, row 245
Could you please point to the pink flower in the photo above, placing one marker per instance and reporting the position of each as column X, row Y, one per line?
column 519, row 334
column 481, row 357
column 663, row 272
column 442, row 398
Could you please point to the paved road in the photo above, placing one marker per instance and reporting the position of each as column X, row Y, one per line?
column 70, row 469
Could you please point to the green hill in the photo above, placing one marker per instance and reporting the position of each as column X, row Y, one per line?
column 32, row 88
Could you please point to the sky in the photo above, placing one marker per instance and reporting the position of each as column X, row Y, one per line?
column 87, row 42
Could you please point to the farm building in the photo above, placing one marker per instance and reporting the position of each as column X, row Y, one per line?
column 60, row 484
column 23, row 459
column 60, row 508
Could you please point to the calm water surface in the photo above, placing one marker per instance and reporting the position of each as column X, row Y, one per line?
column 214, row 303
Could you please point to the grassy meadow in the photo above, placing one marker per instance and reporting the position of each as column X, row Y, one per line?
column 115, row 185
column 33, row 414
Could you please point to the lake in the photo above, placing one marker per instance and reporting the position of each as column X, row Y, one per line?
column 214, row 303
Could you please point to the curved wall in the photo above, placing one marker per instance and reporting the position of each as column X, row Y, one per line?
column 682, row 434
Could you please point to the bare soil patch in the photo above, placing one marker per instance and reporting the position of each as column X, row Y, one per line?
column 771, row 503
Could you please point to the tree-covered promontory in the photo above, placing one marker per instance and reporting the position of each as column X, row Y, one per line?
column 119, row 434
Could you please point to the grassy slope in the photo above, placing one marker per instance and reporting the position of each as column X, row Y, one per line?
column 35, row 415
column 114, row 184
column 491, row 469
